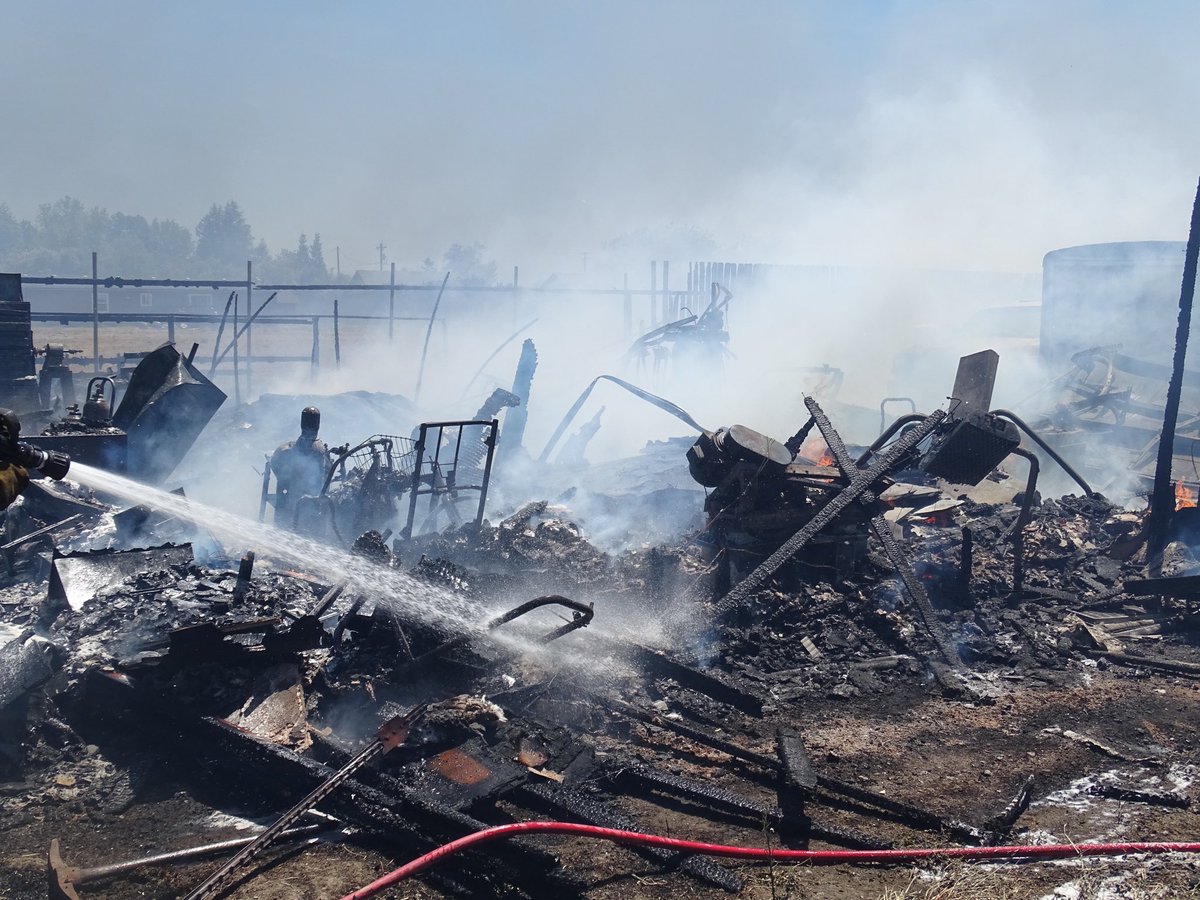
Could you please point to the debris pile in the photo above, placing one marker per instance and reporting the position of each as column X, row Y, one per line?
column 851, row 653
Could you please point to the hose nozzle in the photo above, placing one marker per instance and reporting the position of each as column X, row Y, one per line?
column 50, row 463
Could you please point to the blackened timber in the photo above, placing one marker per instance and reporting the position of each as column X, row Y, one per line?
column 703, row 682
column 696, row 791
column 1178, row 586
column 1162, row 501
column 570, row 803
column 905, row 812
column 693, row 733
column 883, row 533
column 999, row 825
column 861, row 480
column 726, row 802
column 797, row 767
column 1132, row 795
column 1150, row 662
column 409, row 821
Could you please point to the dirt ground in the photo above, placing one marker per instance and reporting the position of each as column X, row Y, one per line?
column 960, row 760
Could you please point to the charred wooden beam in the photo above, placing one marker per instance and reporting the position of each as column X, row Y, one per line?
column 1162, row 500
column 861, row 480
column 569, row 803
column 883, row 533
column 702, row 682
column 412, row 822
column 797, row 767
column 1178, row 586
column 999, row 825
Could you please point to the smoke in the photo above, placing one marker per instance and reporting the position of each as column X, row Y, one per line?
column 931, row 135
column 919, row 158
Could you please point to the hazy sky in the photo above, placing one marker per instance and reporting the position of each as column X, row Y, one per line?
column 956, row 134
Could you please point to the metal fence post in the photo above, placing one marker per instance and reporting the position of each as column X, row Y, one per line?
column 95, row 317
column 628, row 317
column 237, row 380
column 392, row 304
column 666, row 293
column 315, row 357
column 249, row 325
column 337, row 338
column 653, row 294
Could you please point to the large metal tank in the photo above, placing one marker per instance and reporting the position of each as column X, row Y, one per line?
column 1099, row 295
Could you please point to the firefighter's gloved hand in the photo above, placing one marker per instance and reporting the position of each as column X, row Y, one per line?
column 13, row 479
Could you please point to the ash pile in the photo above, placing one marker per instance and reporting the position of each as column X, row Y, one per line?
column 164, row 690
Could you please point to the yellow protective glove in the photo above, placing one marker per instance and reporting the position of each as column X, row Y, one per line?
column 13, row 479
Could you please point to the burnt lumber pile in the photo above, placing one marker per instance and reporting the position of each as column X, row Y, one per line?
column 534, row 675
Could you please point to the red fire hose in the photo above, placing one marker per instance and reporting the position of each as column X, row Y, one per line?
column 815, row 857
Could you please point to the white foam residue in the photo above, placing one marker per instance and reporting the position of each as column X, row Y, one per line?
column 224, row 820
column 1069, row 891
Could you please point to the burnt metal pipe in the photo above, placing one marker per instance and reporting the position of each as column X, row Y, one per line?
column 653, row 399
column 584, row 612
column 1046, row 448
column 239, row 332
column 428, row 334
column 508, row 340
column 887, row 436
column 583, row 616
column 912, row 407
column 1016, row 534
column 63, row 879
column 220, row 332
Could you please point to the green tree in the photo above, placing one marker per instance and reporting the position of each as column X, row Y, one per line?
column 317, row 257
column 14, row 236
column 304, row 265
column 171, row 245
column 223, row 239
column 468, row 267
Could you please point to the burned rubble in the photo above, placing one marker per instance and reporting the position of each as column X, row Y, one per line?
column 851, row 652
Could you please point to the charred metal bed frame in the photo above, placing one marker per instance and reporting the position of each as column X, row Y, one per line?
column 439, row 479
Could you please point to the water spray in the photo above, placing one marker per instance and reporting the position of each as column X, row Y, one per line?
column 418, row 599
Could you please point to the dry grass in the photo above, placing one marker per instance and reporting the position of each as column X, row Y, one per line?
column 1155, row 880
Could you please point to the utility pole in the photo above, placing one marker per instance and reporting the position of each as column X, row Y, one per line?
column 338, row 252
column 381, row 248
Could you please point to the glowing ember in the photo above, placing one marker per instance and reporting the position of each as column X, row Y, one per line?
column 1184, row 495
column 817, row 451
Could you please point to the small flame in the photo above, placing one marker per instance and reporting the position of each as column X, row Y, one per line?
column 1184, row 495
column 816, row 449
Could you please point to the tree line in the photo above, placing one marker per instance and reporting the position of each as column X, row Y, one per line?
column 60, row 239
